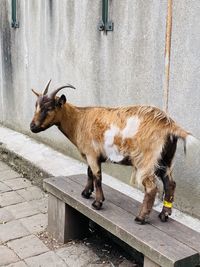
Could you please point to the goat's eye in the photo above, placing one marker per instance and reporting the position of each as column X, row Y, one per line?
column 48, row 110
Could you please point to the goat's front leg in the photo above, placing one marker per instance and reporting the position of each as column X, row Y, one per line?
column 95, row 168
column 89, row 188
column 169, row 189
column 149, row 198
column 97, row 204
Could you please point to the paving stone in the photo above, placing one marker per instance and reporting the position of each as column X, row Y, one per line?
column 18, row 183
column 40, row 204
column 4, row 188
column 10, row 198
column 12, row 230
column 49, row 259
column 3, row 166
column 17, row 264
column 35, row 223
column 100, row 265
column 31, row 193
column 28, row 246
column 7, row 256
column 77, row 255
column 126, row 263
column 8, row 174
column 5, row 216
column 21, row 210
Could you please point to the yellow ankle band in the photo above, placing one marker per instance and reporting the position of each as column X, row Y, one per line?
column 167, row 204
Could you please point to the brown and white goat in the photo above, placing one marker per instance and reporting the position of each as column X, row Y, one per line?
column 141, row 136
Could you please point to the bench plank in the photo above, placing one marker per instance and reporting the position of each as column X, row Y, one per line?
column 152, row 242
column 173, row 228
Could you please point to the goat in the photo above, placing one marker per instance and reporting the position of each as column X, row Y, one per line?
column 144, row 137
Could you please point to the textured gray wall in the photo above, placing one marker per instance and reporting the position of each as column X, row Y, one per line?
column 59, row 39
column 184, row 98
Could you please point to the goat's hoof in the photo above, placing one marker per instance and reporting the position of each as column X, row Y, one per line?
column 140, row 220
column 97, row 205
column 163, row 216
column 86, row 194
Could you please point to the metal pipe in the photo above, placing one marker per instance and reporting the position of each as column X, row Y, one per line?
column 167, row 55
column 105, row 11
column 104, row 24
column 14, row 23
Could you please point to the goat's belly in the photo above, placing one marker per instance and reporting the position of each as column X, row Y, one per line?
column 113, row 155
column 126, row 161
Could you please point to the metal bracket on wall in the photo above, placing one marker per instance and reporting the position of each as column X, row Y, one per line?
column 104, row 24
column 15, row 23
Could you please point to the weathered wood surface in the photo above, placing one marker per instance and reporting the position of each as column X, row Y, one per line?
column 172, row 228
column 64, row 221
column 149, row 263
column 157, row 241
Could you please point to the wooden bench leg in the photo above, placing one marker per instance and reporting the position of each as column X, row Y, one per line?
column 64, row 222
column 149, row 263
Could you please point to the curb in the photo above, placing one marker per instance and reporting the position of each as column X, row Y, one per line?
column 23, row 166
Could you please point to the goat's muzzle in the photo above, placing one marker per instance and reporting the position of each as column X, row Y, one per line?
column 34, row 128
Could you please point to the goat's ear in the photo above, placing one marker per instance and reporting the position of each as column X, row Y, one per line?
column 62, row 100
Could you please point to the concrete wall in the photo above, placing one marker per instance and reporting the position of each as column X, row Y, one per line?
column 184, row 98
column 59, row 39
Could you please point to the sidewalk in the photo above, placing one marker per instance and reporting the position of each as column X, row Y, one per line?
column 23, row 239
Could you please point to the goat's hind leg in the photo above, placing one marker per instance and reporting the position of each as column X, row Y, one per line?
column 149, row 198
column 169, row 190
column 164, row 171
column 89, row 188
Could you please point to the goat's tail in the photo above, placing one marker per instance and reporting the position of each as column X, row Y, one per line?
column 191, row 143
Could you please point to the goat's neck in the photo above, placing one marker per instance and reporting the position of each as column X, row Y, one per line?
column 68, row 120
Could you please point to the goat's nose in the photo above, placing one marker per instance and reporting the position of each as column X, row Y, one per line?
column 32, row 126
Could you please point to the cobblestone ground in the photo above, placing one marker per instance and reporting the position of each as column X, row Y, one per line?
column 24, row 240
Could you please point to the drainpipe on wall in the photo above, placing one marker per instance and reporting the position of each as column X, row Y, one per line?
column 167, row 55
column 104, row 24
column 15, row 23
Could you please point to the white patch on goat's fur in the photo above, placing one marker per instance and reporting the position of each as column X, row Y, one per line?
column 38, row 109
column 131, row 128
column 112, row 152
column 110, row 135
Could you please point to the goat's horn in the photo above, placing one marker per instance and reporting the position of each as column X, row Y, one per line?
column 47, row 87
column 53, row 94
column 37, row 94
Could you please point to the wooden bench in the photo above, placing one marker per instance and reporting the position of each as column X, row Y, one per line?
column 162, row 244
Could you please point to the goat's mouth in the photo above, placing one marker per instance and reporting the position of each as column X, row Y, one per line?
column 37, row 129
